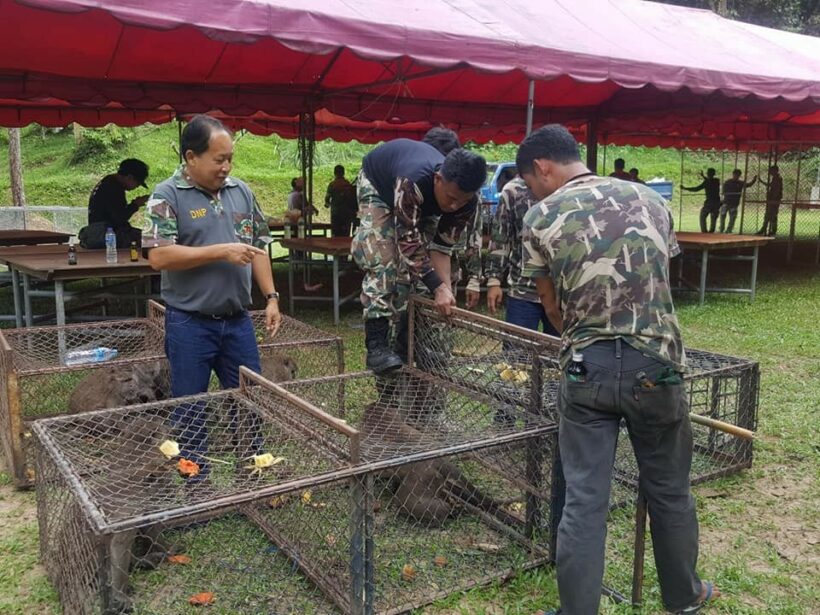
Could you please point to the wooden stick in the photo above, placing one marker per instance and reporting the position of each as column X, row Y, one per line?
column 734, row 430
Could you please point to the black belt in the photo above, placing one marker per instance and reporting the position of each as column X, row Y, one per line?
column 225, row 316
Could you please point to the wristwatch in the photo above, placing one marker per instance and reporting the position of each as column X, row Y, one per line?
column 273, row 295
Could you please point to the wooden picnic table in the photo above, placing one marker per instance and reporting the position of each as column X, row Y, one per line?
column 50, row 263
column 22, row 237
column 708, row 243
column 300, row 253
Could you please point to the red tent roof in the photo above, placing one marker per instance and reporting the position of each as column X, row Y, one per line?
column 640, row 67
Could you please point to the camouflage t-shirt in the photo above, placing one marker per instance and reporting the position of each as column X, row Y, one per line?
column 606, row 245
column 504, row 259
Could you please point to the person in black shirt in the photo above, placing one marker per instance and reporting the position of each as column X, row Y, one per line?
column 732, row 191
column 711, row 206
column 414, row 204
column 108, row 204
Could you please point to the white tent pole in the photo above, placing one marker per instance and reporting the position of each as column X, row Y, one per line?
column 530, row 105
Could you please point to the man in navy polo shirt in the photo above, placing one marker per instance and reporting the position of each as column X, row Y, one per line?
column 214, row 221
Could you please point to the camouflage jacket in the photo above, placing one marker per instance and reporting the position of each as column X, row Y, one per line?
column 504, row 259
column 606, row 245
column 248, row 221
column 468, row 251
column 421, row 228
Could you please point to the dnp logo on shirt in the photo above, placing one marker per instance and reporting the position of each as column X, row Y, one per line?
column 198, row 213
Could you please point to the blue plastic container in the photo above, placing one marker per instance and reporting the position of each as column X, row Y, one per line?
column 662, row 188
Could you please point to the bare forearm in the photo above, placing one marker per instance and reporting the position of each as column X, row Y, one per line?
column 546, row 292
column 262, row 274
column 441, row 264
column 180, row 258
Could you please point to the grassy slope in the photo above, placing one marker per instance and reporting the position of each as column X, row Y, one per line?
column 268, row 164
column 759, row 530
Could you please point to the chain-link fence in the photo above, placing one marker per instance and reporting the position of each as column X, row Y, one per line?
column 266, row 499
column 37, row 378
column 59, row 218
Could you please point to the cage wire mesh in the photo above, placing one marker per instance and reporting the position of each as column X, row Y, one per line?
column 36, row 382
column 503, row 361
column 475, row 352
column 306, row 350
column 359, row 504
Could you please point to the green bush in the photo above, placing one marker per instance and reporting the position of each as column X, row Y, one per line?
column 101, row 143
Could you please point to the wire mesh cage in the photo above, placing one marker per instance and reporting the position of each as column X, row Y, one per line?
column 507, row 362
column 310, row 352
column 39, row 377
column 720, row 388
column 292, row 508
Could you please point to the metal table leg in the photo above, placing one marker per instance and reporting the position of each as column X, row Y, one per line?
column 704, row 263
column 59, row 301
column 18, row 301
column 291, row 265
column 27, row 299
column 754, row 275
column 336, row 290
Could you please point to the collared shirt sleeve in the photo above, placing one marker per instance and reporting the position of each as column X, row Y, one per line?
column 162, row 216
column 412, row 249
column 261, row 230
column 499, row 257
column 534, row 256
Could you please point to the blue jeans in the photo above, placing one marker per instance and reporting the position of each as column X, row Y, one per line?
column 529, row 314
column 195, row 346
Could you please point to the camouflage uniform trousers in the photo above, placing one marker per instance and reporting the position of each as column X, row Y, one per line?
column 386, row 286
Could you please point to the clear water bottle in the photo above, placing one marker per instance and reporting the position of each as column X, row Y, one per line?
column 287, row 230
column 576, row 372
column 110, row 246
column 91, row 355
column 300, row 228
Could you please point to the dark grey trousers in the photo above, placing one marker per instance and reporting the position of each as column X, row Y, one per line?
column 658, row 423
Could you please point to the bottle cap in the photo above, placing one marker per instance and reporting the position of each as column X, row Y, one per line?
column 577, row 357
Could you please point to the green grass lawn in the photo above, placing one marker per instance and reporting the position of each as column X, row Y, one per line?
column 760, row 529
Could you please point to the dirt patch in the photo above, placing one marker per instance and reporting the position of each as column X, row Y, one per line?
column 777, row 515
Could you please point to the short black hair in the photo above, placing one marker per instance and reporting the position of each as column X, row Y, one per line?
column 293, row 182
column 135, row 168
column 620, row 163
column 443, row 139
column 710, row 172
column 197, row 133
column 467, row 169
column 339, row 170
column 737, row 172
column 634, row 170
column 552, row 142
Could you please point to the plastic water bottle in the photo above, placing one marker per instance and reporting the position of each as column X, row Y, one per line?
column 300, row 228
column 110, row 246
column 287, row 231
column 576, row 372
column 91, row 355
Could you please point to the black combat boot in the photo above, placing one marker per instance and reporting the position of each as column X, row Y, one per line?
column 380, row 357
column 400, row 343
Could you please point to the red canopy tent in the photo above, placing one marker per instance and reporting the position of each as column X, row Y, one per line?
column 640, row 72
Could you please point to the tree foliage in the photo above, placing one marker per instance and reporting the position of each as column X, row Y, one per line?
column 796, row 15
